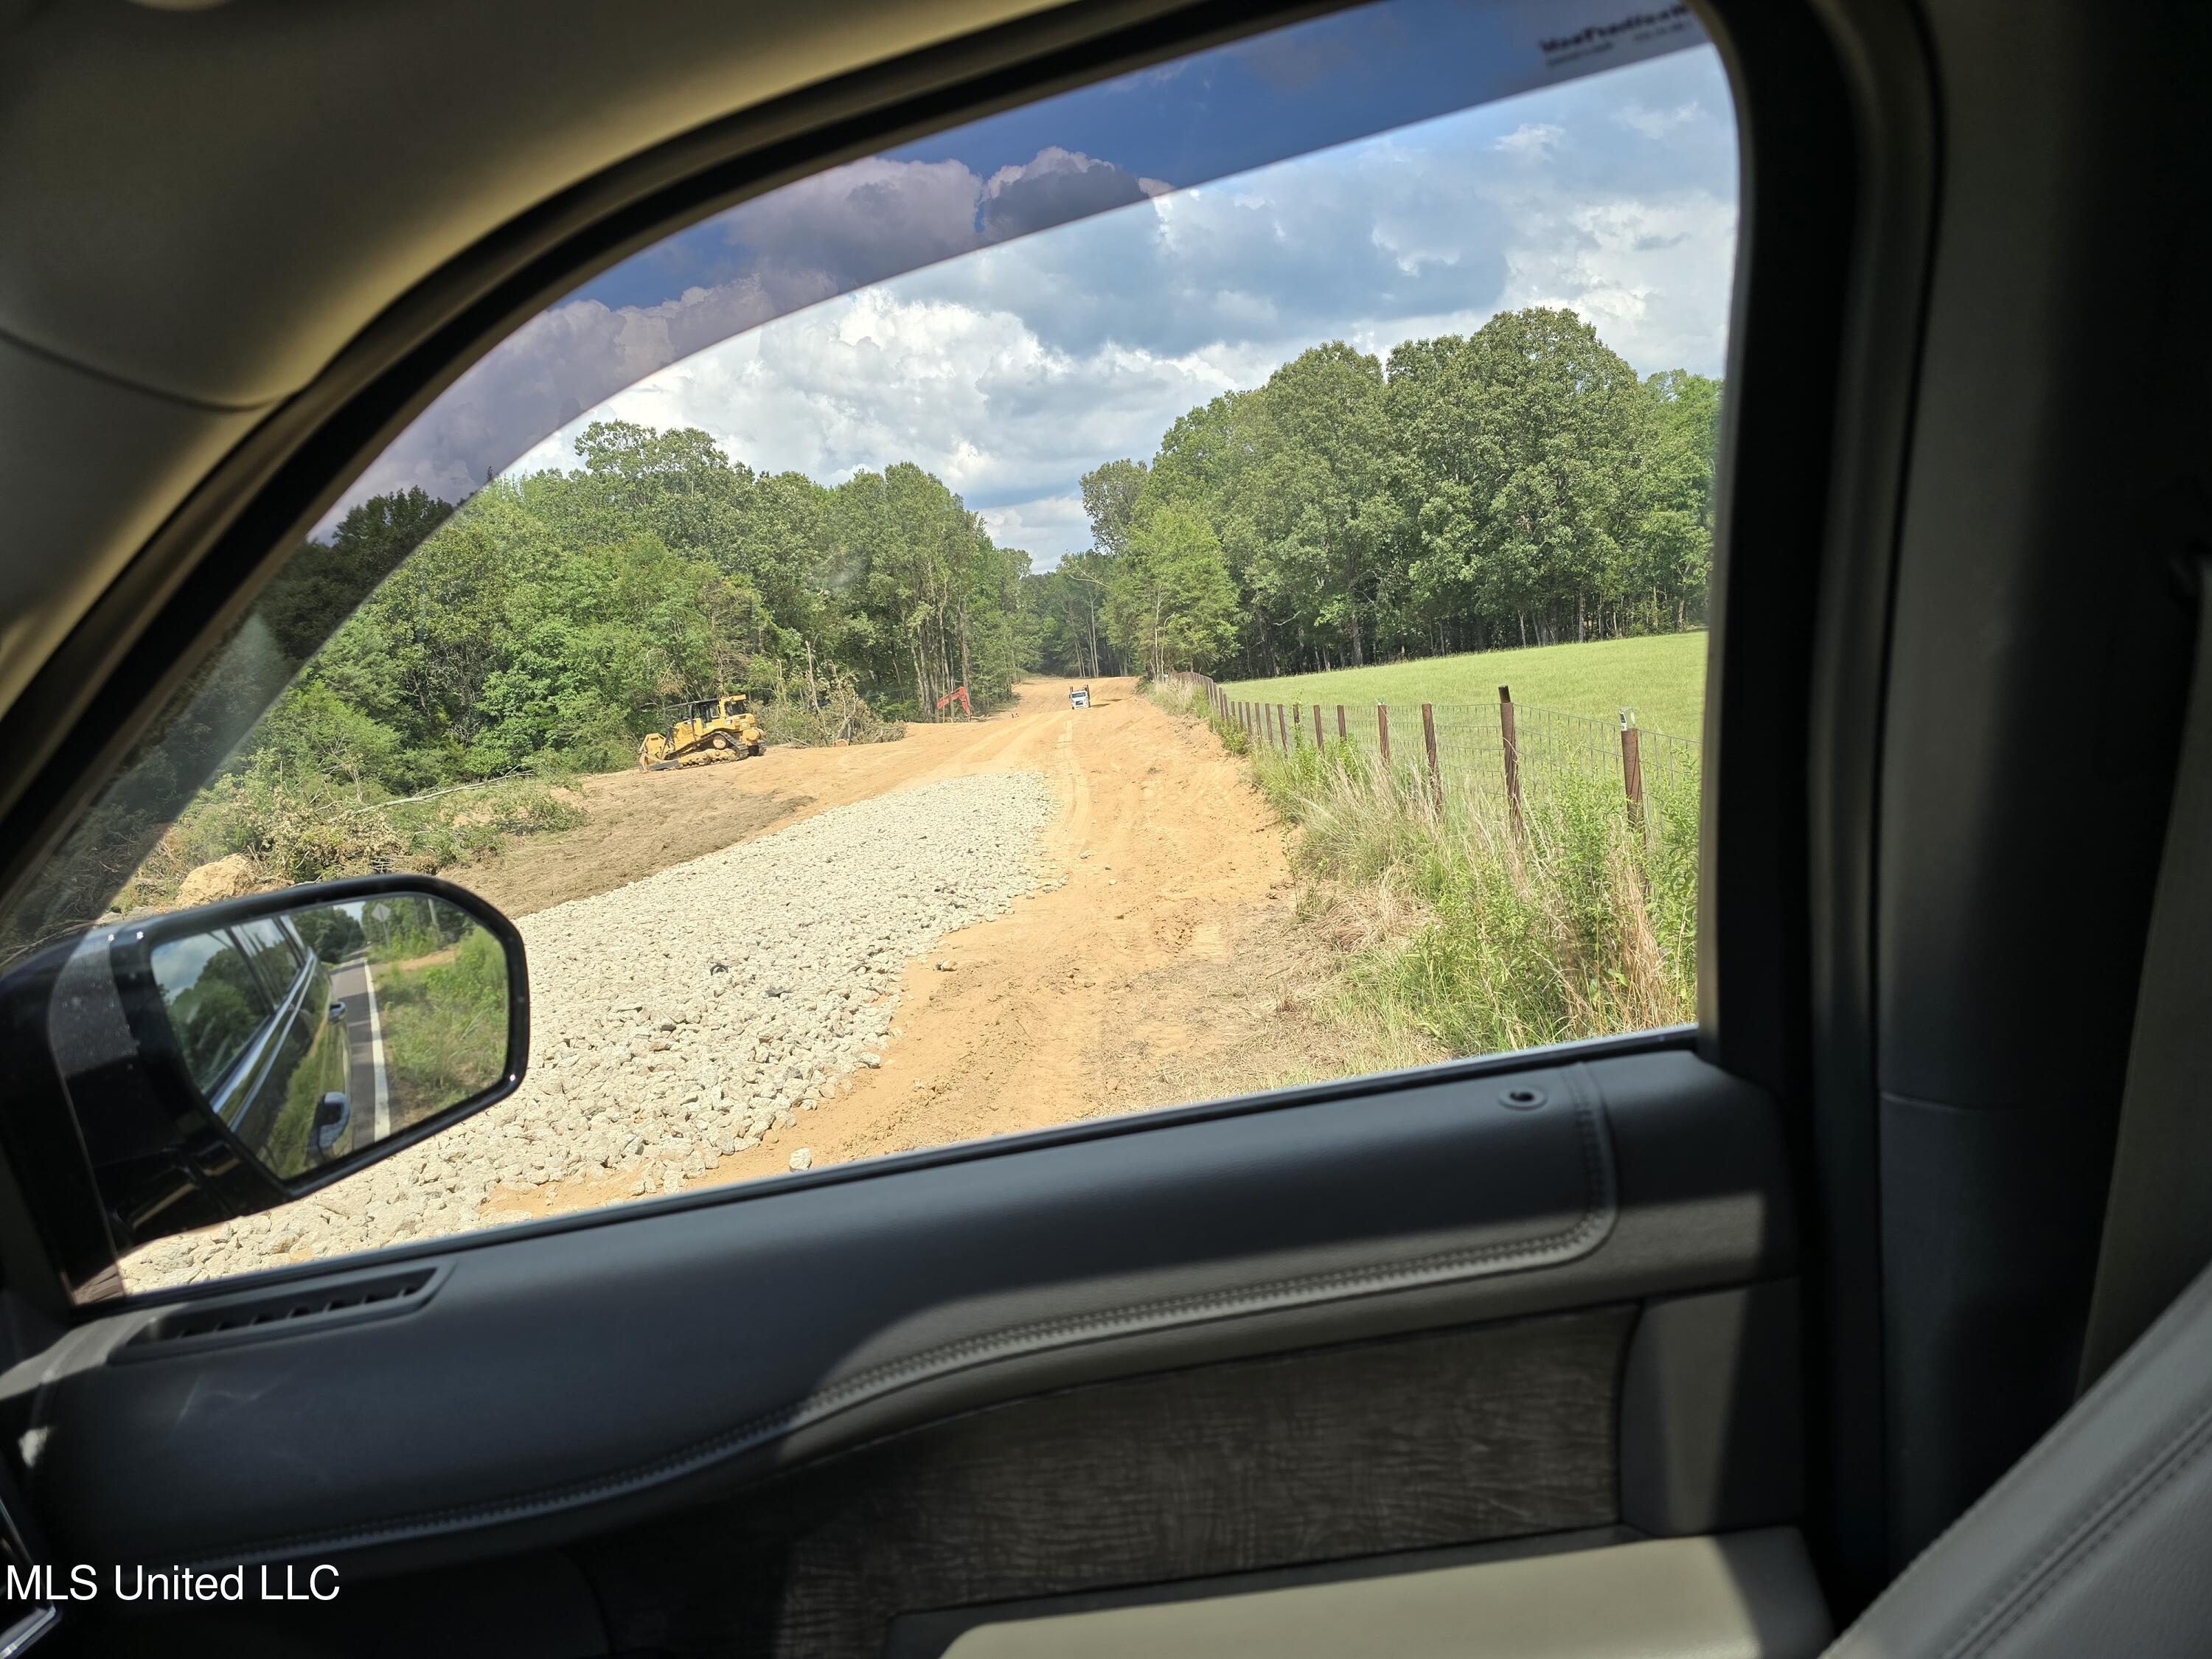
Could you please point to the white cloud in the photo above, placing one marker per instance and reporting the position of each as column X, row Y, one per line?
column 1538, row 138
column 1046, row 528
column 1011, row 366
column 970, row 393
column 1656, row 124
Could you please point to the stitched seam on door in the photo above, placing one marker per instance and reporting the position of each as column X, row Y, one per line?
column 1038, row 1336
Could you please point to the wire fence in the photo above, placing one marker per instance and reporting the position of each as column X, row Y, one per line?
column 1506, row 753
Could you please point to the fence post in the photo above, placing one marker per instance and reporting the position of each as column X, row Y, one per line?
column 1507, row 732
column 1340, row 734
column 1283, row 727
column 1383, row 729
column 1316, row 728
column 1632, row 764
column 1429, row 739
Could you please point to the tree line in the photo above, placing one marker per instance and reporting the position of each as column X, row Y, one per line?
column 546, row 622
column 1518, row 486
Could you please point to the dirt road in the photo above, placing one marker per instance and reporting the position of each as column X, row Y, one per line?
column 723, row 1012
column 1159, row 964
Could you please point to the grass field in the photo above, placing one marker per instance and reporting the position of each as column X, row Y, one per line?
column 1662, row 678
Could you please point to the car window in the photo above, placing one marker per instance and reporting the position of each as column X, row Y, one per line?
column 271, row 954
column 216, row 1005
column 1208, row 573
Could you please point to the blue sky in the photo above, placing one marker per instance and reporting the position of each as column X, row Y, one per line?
column 1184, row 261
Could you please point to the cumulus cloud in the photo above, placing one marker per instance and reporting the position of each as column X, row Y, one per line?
column 1536, row 138
column 831, row 233
column 1009, row 364
column 971, row 394
column 1057, row 186
column 1656, row 123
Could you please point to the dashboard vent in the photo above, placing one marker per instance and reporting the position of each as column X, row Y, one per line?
column 280, row 1313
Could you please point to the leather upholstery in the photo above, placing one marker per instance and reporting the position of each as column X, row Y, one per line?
column 2099, row 1541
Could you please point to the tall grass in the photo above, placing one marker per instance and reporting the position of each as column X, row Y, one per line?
column 1182, row 698
column 1476, row 937
column 445, row 1025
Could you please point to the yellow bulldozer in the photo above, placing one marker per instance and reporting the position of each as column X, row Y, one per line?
column 712, row 729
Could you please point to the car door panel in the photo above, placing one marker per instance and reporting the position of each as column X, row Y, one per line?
column 1750, row 1593
column 564, row 1382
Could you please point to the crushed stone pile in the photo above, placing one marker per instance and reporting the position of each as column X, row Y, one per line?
column 678, row 1019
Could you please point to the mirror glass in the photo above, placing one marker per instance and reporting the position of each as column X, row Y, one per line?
column 314, row 1033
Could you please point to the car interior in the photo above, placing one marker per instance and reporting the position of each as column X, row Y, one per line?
column 1868, row 1310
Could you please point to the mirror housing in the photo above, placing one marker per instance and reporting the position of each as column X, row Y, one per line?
column 226, row 1059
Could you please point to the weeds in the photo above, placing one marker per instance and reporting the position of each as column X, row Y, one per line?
column 296, row 825
column 1452, row 925
column 1179, row 697
column 445, row 1023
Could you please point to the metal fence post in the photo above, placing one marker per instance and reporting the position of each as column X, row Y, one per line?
column 1383, row 729
column 1429, row 739
column 1512, row 744
column 1632, row 764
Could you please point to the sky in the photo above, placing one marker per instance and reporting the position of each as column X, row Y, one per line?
column 908, row 306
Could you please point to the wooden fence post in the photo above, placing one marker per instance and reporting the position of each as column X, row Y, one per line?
column 1341, row 733
column 1510, row 734
column 1283, row 727
column 1383, row 729
column 1316, row 727
column 1632, row 764
column 1429, row 739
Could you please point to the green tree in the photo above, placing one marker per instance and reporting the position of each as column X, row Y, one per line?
column 1172, row 603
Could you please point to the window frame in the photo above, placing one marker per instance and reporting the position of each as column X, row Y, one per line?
column 1801, row 213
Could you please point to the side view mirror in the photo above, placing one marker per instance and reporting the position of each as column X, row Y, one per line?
column 227, row 1059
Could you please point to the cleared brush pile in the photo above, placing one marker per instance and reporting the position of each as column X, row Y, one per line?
column 294, row 826
column 830, row 712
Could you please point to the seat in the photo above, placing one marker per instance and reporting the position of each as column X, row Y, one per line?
column 2099, row 1541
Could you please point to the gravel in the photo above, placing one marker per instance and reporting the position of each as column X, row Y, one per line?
column 681, row 1019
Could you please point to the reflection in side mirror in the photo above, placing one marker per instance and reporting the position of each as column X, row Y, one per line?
column 310, row 1034
column 225, row 1059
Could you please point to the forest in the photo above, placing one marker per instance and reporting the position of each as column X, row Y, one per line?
column 1518, row 486
column 542, row 626
column 1521, row 485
